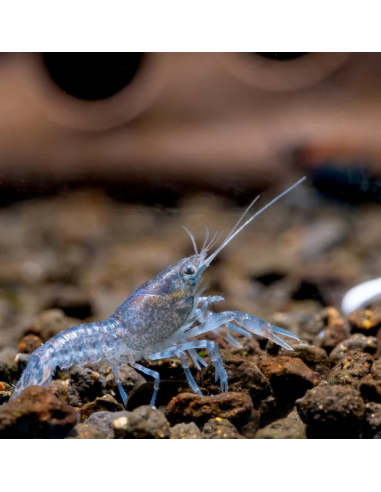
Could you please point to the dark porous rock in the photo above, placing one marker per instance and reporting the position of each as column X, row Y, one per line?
column 283, row 429
column 85, row 431
column 250, row 429
column 142, row 423
column 365, row 321
column 29, row 343
column 370, row 389
column 370, row 386
column 58, row 388
column 336, row 332
column 219, row 428
column 5, row 392
column 315, row 358
column 129, row 378
column 185, row 431
column 188, row 407
column 36, row 413
column 351, row 368
column 103, row 420
column 85, row 385
column 289, row 377
column 103, row 403
column 372, row 425
column 358, row 342
column 244, row 377
column 332, row 412
column 50, row 323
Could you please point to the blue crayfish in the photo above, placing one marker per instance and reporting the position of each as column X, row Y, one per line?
column 156, row 322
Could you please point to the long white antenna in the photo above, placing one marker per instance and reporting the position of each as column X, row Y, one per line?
column 231, row 236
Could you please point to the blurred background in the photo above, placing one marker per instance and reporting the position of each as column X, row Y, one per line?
column 104, row 156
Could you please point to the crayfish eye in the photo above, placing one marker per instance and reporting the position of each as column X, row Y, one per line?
column 189, row 270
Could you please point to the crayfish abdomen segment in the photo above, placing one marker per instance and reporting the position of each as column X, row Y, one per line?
column 150, row 319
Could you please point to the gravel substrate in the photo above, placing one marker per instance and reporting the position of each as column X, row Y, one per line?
column 74, row 259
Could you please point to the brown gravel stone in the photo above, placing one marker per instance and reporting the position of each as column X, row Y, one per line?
column 5, row 392
column 332, row 412
column 36, row 413
column 103, row 421
column 84, row 386
column 283, row 429
column 50, row 322
column 376, row 369
column 335, row 333
column 289, row 377
column 104, row 403
column 372, row 424
column 244, row 377
column 129, row 378
column 85, row 431
column 365, row 322
column 315, row 358
column 358, row 342
column 250, row 350
column 58, row 388
column 370, row 386
column 29, row 343
column 185, row 431
column 353, row 367
column 188, row 407
column 9, row 371
column 370, row 389
column 142, row 423
column 250, row 429
column 218, row 428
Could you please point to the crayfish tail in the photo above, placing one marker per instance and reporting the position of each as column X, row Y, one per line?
column 38, row 372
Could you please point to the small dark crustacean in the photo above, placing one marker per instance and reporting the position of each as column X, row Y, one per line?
column 156, row 322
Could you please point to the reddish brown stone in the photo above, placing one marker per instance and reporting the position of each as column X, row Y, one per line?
column 36, row 413
column 188, row 407
column 244, row 377
column 289, row 377
column 315, row 358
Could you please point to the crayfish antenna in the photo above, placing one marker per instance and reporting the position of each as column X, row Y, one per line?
column 234, row 232
column 193, row 240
